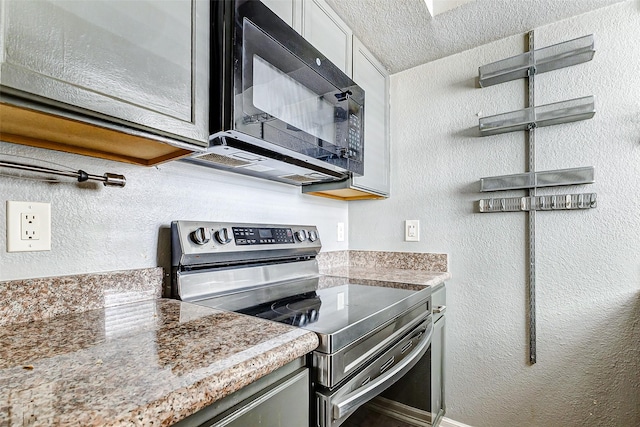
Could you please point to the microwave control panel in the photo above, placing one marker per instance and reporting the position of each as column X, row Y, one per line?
column 354, row 138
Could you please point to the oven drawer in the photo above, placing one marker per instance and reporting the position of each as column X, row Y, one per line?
column 334, row 406
column 335, row 367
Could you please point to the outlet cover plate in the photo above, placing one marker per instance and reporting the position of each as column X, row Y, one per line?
column 412, row 230
column 28, row 226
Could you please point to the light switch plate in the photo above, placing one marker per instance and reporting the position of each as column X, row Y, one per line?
column 28, row 226
column 412, row 230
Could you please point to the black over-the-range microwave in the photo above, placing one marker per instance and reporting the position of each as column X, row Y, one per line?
column 279, row 108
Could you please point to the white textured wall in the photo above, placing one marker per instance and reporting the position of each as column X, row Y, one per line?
column 95, row 228
column 588, row 262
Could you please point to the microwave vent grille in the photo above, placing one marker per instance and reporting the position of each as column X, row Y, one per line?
column 223, row 160
column 299, row 178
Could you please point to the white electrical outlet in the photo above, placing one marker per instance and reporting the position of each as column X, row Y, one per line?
column 412, row 230
column 341, row 232
column 28, row 226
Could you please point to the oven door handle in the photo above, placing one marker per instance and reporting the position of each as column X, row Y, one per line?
column 355, row 399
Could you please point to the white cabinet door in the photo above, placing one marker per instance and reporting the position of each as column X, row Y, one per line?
column 290, row 11
column 370, row 75
column 322, row 27
column 142, row 63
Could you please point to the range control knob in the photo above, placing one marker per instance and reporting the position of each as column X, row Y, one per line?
column 302, row 235
column 223, row 236
column 200, row 236
column 313, row 236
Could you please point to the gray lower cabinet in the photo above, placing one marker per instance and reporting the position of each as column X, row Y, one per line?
column 438, row 355
column 141, row 64
column 280, row 399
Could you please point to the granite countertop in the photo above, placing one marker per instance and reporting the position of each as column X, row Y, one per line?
column 147, row 363
column 120, row 358
column 397, row 269
column 393, row 275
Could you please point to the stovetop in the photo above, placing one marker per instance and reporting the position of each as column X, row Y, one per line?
column 339, row 314
column 296, row 310
column 329, row 310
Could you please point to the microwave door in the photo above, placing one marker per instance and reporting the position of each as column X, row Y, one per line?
column 281, row 99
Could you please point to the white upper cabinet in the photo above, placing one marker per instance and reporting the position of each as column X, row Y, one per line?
column 290, row 11
column 370, row 75
column 140, row 63
column 324, row 29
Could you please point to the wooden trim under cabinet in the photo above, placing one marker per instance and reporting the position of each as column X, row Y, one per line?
column 40, row 129
column 345, row 194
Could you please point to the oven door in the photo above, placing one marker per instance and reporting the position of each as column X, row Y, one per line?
column 288, row 94
column 343, row 404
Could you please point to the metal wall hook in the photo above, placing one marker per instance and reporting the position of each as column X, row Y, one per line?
column 539, row 203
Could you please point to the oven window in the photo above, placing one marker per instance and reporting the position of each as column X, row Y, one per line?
column 281, row 96
column 407, row 399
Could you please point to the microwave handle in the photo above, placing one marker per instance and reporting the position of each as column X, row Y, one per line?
column 355, row 399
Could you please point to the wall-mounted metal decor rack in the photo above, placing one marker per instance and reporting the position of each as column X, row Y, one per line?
column 527, row 66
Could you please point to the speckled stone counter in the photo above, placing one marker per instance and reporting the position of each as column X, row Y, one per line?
column 30, row 300
column 375, row 276
column 146, row 363
column 424, row 269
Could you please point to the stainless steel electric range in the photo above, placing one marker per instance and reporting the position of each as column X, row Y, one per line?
column 375, row 337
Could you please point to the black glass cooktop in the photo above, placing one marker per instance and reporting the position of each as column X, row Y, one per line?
column 331, row 309
column 297, row 310
column 343, row 309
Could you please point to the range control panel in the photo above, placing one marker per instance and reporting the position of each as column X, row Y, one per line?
column 262, row 236
column 202, row 242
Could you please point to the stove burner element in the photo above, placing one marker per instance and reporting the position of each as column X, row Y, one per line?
column 297, row 310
